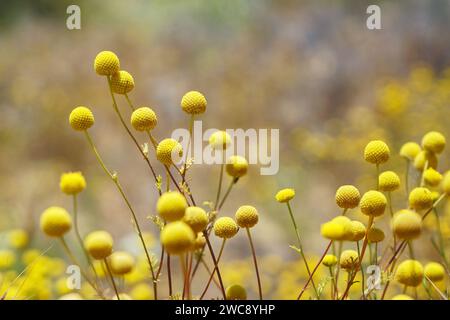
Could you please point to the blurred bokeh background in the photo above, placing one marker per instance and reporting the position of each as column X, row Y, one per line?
column 309, row 68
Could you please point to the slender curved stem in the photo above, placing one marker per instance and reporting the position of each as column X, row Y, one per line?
column 169, row 275
column 214, row 270
column 219, row 188
column 255, row 263
column 111, row 278
column 227, row 193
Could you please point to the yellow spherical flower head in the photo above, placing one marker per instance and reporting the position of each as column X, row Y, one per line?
column 18, row 238
column 196, row 218
column 376, row 152
column 142, row 291
column 375, row 235
column 81, row 118
column 425, row 158
column 169, row 151
column 193, row 102
column 433, row 142
column 121, row 262
column 106, row 63
column 410, row 150
column 420, row 198
column 122, row 82
column 402, row 297
column 200, row 241
column 99, row 244
column 349, row 259
column 171, row 206
column 388, row 181
column 143, row 119
column 434, row 271
column 432, row 177
column 246, row 216
column 7, row 259
column 225, row 228
column 329, row 260
column 237, row 166
column 177, row 237
column 409, row 273
column 446, row 183
column 407, row 224
column 347, row 197
column 285, row 195
column 373, row 203
column 220, row 140
column 55, row 221
column 236, row 292
column 338, row 229
column 356, row 232
column 72, row 183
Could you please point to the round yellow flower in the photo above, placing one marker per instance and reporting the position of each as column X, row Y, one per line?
column 420, row 198
column 388, row 181
column 446, row 183
column 434, row 271
column 177, row 237
column 329, row 260
column 409, row 273
column 171, row 206
column 432, row 177
column 338, row 229
column 402, row 297
column 81, row 118
column 169, row 151
column 196, row 218
column 121, row 262
column 246, row 216
column 18, row 238
column 193, row 102
column 72, row 183
column 349, row 259
column 373, row 203
column 55, row 221
column 425, row 158
column 375, row 235
column 220, row 140
column 99, row 244
column 356, row 232
column 433, row 142
column 106, row 63
column 122, row 82
column 143, row 119
column 347, row 197
column 237, row 166
column 285, row 195
column 200, row 241
column 225, row 228
column 7, row 259
column 236, row 292
column 407, row 224
column 376, row 152
column 142, row 291
column 410, row 150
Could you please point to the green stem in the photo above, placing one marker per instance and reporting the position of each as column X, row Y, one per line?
column 233, row 182
column 255, row 263
column 111, row 278
column 219, row 188
column 362, row 270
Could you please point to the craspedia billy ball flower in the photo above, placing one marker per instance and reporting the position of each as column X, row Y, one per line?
column 81, row 118
column 220, row 140
column 55, row 221
column 236, row 166
column 246, row 216
column 18, row 238
column 375, row 235
column 388, row 181
column 225, row 228
column 434, row 271
column 347, row 197
column 106, row 63
column 285, row 195
column 357, row 231
column 338, row 229
column 329, row 260
column 171, row 206
column 349, row 259
column 420, row 198
column 432, row 177
column 376, row 152
column 196, row 218
column 143, row 119
column 425, row 158
column 446, row 183
column 122, row 82
column 169, row 151
column 409, row 273
column 121, row 262
column 72, row 183
column 177, row 237
column 193, row 102
column 410, row 150
column 200, row 241
column 7, row 258
column 236, row 292
column 407, row 224
column 433, row 142
column 99, row 244
column 373, row 203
